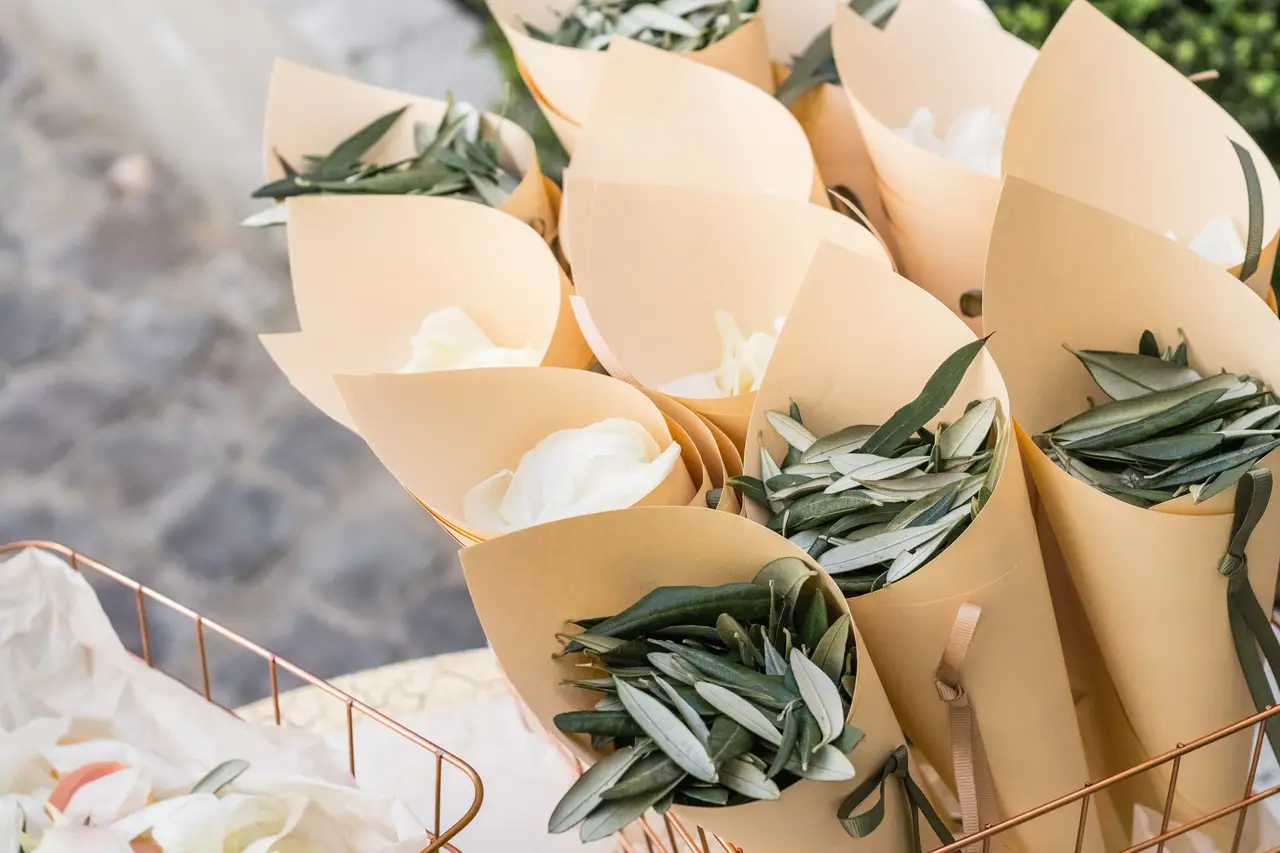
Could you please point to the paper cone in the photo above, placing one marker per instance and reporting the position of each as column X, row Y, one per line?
column 660, row 119
column 890, row 337
column 568, row 79
column 701, row 439
column 1148, row 579
column 368, row 269
column 691, row 458
column 309, row 112
column 1103, row 119
column 565, row 130
column 527, row 584
column 942, row 56
column 442, row 433
column 654, row 263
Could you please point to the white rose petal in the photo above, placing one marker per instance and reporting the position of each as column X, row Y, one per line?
column 11, row 821
column 104, row 801
column 974, row 140
column 743, row 362
column 23, row 766
column 199, row 826
column 609, row 465
column 449, row 339
column 82, row 839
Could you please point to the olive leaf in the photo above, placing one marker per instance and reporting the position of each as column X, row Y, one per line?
column 745, row 778
column 828, row 764
column 821, row 695
column 848, row 440
column 1126, row 375
column 610, row 817
column 667, row 731
column 829, row 652
column 687, row 712
column 221, row 776
column 729, row 739
column 786, row 576
column 652, row 773
column 968, row 434
column 685, row 605
column 740, row 711
column 588, row 791
column 607, row 723
column 886, row 546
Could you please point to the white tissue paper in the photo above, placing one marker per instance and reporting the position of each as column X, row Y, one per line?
column 974, row 140
column 1218, row 241
column 742, row 363
column 71, row 695
column 1146, row 825
column 449, row 339
column 609, row 465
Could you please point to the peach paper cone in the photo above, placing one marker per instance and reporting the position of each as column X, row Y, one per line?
column 309, row 112
column 442, row 433
column 891, row 338
column 1061, row 272
column 654, row 263
column 367, row 270
column 1104, row 120
column 941, row 56
column 705, row 443
column 526, row 585
column 568, row 78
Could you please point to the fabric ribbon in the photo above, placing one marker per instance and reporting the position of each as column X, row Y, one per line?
column 1250, row 627
column 862, row 825
column 968, row 756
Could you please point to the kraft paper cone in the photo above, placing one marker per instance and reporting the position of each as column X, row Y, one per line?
column 526, row 585
column 1103, row 119
column 701, row 439
column 442, row 433
column 654, row 263
column 1148, row 579
column 891, row 338
column 368, row 269
column 309, row 112
column 691, row 458
column 942, row 56
column 568, row 79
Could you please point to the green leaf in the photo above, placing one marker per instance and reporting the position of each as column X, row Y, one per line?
column 848, row 440
column 774, row 664
column 686, row 605
column 651, row 773
column 807, row 742
column 849, row 738
column 814, row 66
column 1253, row 186
column 1125, row 375
column 745, row 778
column 735, row 636
column 885, row 547
column 1205, row 468
column 906, row 563
column 927, row 510
column 815, row 621
column 867, row 517
column 1110, row 416
column 734, row 675
column 829, row 652
column 828, row 764
column 740, row 711
column 673, row 667
column 586, row 793
column 687, row 712
column 866, row 473
column 667, row 731
column 1147, row 344
column 792, row 431
column 790, row 734
column 1140, row 431
column 821, row 696
column 908, row 489
column 221, row 776
column 786, row 575
column 916, row 414
column 816, row 510
column 711, row 795
column 610, row 818
column 1174, row 448
column 607, row 723
column 969, row 434
column 750, row 487
column 729, row 740
column 351, row 150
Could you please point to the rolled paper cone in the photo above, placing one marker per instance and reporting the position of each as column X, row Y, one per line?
column 368, row 269
column 1104, row 120
column 691, row 459
column 526, row 586
column 941, row 56
column 442, row 433
column 639, row 131
column 654, row 263
column 568, row 78
column 309, row 112
column 1148, row 579
column 700, row 435
column 1014, row 675
column 565, row 130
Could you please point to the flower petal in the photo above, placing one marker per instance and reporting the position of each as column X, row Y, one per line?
column 449, row 339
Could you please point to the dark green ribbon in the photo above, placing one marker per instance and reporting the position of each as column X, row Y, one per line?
column 862, row 825
column 1250, row 627
column 1253, row 246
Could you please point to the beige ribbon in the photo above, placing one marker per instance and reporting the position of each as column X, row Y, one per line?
column 968, row 757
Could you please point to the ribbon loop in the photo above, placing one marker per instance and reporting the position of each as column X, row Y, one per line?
column 1250, row 628
column 898, row 766
column 968, row 755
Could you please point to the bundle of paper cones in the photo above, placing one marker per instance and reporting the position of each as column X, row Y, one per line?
column 696, row 202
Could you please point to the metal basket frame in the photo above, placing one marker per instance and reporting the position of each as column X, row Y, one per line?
column 439, row 837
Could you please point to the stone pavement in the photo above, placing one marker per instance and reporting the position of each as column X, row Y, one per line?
column 142, row 423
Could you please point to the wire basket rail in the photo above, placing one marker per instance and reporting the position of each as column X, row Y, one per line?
column 441, row 833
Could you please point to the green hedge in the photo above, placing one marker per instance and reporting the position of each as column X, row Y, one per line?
column 1238, row 38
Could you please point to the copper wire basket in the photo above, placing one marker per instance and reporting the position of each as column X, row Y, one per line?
column 667, row 834
column 438, row 837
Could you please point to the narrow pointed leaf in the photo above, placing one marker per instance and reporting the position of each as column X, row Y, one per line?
column 828, row 764
column 820, row 694
column 969, row 434
column 792, row 431
column 585, row 794
column 687, row 712
column 745, row 778
column 848, row 440
column 667, row 731
column 740, row 711
column 829, row 653
column 729, row 739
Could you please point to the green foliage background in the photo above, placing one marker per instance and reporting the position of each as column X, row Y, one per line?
column 1238, row 38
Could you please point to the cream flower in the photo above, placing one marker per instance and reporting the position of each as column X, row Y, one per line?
column 742, row 364
column 606, row 466
column 1218, row 241
column 82, row 839
column 449, row 339
column 974, row 140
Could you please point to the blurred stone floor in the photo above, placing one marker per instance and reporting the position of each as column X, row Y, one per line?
column 141, row 421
